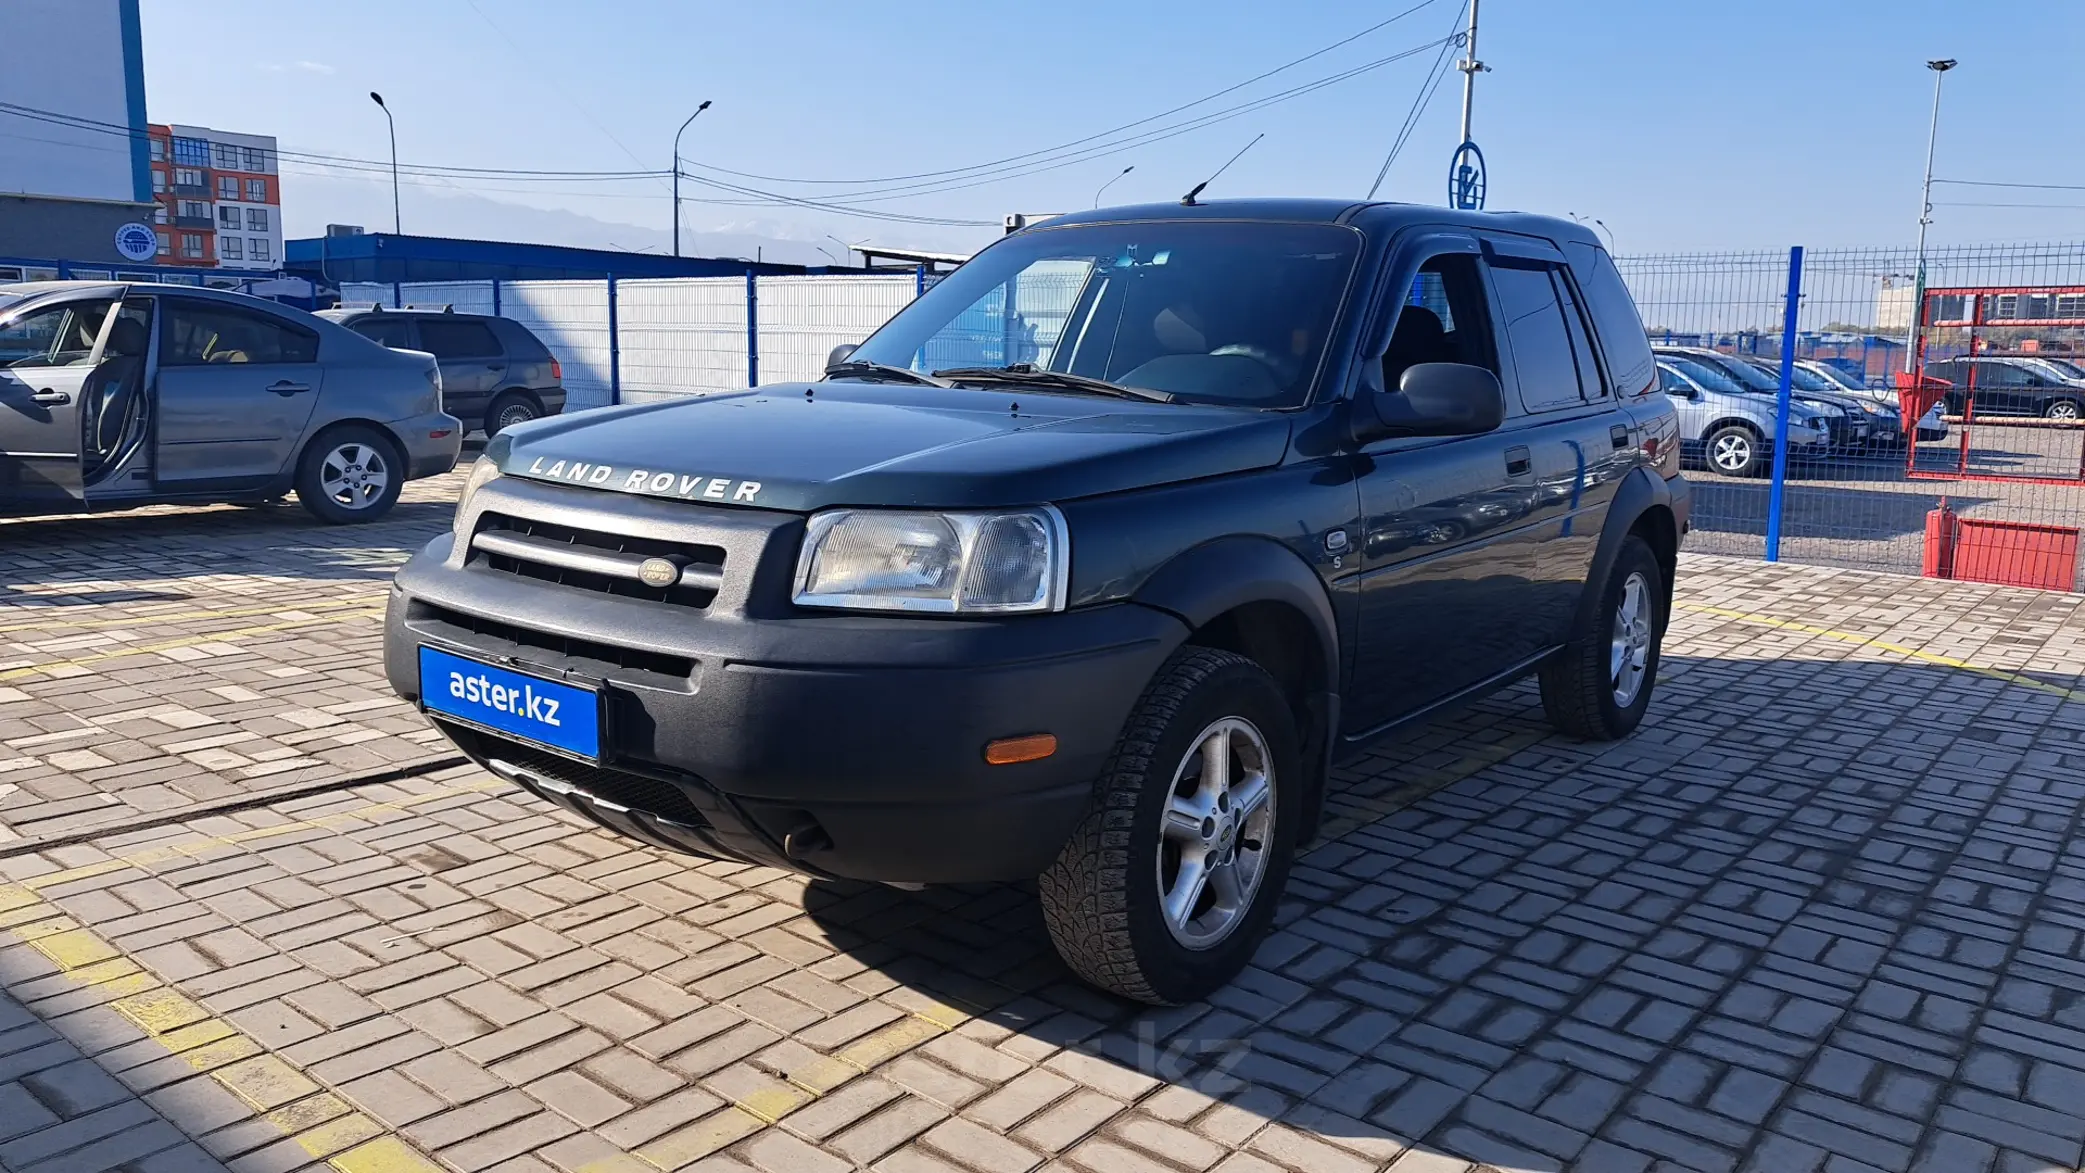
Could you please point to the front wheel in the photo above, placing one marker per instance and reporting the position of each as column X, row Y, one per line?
column 1735, row 451
column 1599, row 686
column 350, row 475
column 1168, row 885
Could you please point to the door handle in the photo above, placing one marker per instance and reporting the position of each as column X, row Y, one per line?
column 1620, row 436
column 495, row 366
column 50, row 398
column 285, row 388
column 1517, row 462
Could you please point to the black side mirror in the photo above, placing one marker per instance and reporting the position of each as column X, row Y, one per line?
column 839, row 354
column 1432, row 399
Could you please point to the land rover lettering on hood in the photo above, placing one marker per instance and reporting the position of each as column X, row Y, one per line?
column 1084, row 568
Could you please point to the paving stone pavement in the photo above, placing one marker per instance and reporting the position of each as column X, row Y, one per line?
column 161, row 659
column 1823, row 912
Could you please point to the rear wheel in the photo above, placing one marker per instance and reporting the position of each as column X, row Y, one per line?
column 1735, row 451
column 508, row 410
column 1599, row 686
column 350, row 475
column 2061, row 409
column 1170, row 882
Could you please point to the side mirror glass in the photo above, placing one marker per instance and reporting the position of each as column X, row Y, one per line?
column 839, row 354
column 1433, row 399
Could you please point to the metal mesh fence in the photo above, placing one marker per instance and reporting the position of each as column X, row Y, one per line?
column 803, row 318
column 681, row 336
column 1862, row 488
column 571, row 317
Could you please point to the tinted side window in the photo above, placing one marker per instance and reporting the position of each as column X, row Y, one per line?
column 1589, row 385
column 457, row 339
column 1622, row 337
column 391, row 332
column 1543, row 359
column 200, row 333
column 1444, row 319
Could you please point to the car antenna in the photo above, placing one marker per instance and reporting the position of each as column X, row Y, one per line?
column 1188, row 200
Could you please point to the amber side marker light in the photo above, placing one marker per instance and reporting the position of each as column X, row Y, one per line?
column 1030, row 748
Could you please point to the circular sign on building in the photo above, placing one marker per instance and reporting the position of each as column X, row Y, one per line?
column 137, row 242
column 1466, row 178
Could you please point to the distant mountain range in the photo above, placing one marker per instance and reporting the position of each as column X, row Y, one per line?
column 310, row 202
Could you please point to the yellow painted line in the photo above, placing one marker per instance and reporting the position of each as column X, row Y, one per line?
column 321, row 1123
column 172, row 616
column 173, row 644
column 1881, row 645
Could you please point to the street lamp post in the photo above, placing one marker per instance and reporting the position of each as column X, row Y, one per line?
column 1925, row 218
column 1111, row 182
column 393, row 127
column 677, row 177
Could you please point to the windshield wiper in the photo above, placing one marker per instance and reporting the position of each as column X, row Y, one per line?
column 1028, row 374
column 862, row 366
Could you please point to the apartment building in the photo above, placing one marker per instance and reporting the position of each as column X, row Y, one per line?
column 219, row 196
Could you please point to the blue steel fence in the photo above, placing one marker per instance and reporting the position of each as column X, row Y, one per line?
column 1840, row 321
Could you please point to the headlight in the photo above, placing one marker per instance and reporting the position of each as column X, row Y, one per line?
column 883, row 560
column 483, row 473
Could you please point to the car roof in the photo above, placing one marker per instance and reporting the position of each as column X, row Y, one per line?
column 1377, row 214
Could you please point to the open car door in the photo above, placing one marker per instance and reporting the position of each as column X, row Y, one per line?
column 47, row 356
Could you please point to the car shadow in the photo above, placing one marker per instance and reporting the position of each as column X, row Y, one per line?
column 1769, row 911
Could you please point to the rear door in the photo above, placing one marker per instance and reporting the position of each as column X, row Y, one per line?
column 472, row 360
column 236, row 386
column 1581, row 444
column 46, row 357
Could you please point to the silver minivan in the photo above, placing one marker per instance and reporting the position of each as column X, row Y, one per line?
column 1731, row 429
column 114, row 395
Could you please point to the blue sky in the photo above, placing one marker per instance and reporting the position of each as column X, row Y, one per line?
column 1682, row 124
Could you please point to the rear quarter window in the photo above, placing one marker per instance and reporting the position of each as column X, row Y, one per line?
column 1622, row 340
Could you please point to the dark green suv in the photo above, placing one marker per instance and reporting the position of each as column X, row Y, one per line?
column 1086, row 567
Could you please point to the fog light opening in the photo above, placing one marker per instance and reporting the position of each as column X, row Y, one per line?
column 1029, row 747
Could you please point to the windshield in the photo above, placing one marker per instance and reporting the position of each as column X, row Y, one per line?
column 1808, row 380
column 1710, row 378
column 1745, row 373
column 1233, row 313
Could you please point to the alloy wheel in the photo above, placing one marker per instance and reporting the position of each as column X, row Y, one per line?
column 1629, row 647
column 1733, row 451
column 354, row 475
column 1216, row 832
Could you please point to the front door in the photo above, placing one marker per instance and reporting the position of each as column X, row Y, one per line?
column 46, row 357
column 236, row 384
column 1448, row 557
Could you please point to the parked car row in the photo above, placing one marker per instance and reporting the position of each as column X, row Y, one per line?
column 2012, row 385
column 1727, row 406
column 120, row 394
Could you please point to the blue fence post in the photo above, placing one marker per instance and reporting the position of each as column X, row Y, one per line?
column 1777, row 493
column 919, row 280
column 615, row 349
column 752, row 329
column 496, row 297
column 397, row 296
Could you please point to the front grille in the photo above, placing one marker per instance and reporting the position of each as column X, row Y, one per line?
column 702, row 566
column 442, row 621
column 652, row 796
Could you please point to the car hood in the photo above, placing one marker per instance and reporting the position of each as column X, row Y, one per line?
column 805, row 447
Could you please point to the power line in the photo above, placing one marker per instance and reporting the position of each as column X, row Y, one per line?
column 1100, row 150
column 1998, row 183
column 1077, row 142
column 1948, row 204
column 1428, row 87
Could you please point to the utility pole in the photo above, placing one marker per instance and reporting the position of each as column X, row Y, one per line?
column 392, row 126
column 1470, row 67
column 677, row 177
column 1925, row 218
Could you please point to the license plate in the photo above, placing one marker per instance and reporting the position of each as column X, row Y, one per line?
column 548, row 713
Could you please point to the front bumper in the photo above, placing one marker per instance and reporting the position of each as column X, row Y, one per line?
column 433, row 442
column 839, row 745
